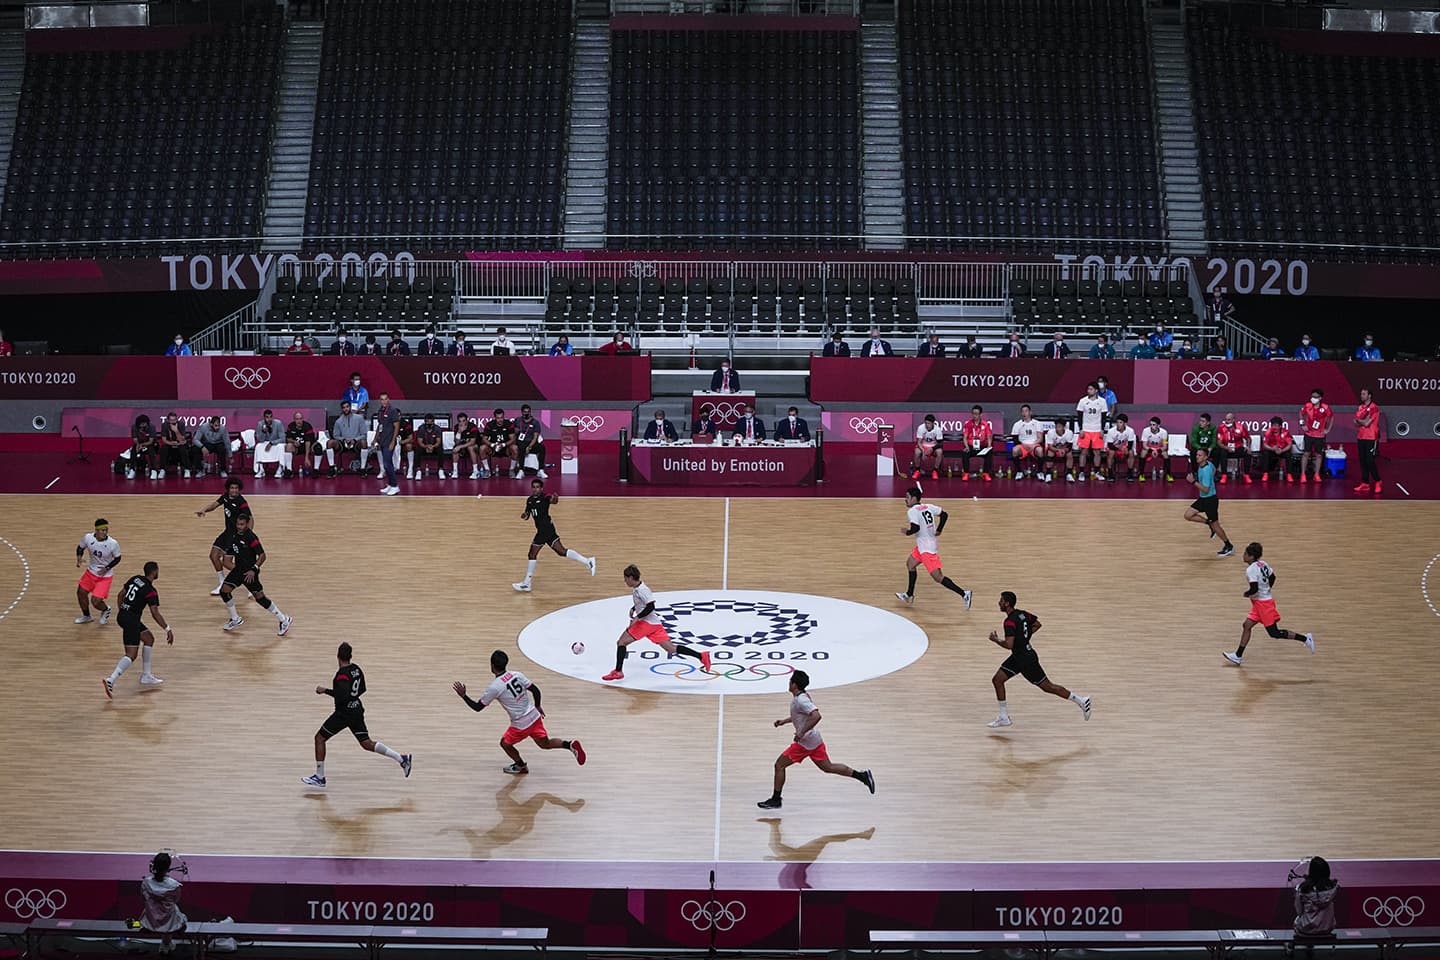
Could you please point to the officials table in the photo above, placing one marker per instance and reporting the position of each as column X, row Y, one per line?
column 727, row 406
column 768, row 464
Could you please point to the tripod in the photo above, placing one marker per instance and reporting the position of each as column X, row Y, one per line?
column 81, row 456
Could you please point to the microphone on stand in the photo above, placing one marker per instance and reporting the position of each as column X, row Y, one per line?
column 82, row 456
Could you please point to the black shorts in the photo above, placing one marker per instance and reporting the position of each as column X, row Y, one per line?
column 354, row 445
column 341, row 719
column 130, row 630
column 543, row 538
column 235, row 580
column 222, row 541
column 1027, row 665
column 1210, row 506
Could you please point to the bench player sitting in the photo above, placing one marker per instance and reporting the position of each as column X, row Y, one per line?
column 979, row 440
column 1060, row 445
column 1120, row 448
column 467, row 444
column 929, row 449
column 429, row 443
column 1232, row 449
column 1028, row 455
column 1155, row 449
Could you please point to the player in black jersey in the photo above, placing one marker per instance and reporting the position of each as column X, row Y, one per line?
column 301, row 439
column 498, row 439
column 138, row 594
column 1020, row 626
column 347, row 688
column 234, row 505
column 243, row 557
column 537, row 507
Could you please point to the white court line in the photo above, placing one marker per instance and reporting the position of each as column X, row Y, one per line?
column 720, row 721
column 52, row 483
column 1425, row 585
column 25, row 586
column 1402, row 489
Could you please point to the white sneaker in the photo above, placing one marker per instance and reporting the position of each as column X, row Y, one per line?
column 1233, row 659
column 1069, row 478
column 390, row 491
column 105, row 616
column 259, row 474
column 154, row 474
column 1000, row 722
column 215, row 592
column 314, row 780
column 233, row 623
column 1047, row 477
column 150, row 680
column 522, row 587
column 905, row 598
column 187, row 474
column 542, row 474
column 1310, row 642
column 284, row 626
column 85, row 619
column 223, row 474
column 968, row 596
column 474, row 474
column 442, row 475
column 129, row 474
column 1085, row 707
column 162, row 474
column 410, row 474
column 591, row 564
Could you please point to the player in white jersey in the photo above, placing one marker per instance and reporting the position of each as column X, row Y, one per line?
column 804, row 715
column 1262, row 606
column 1060, row 445
column 929, row 448
column 1155, row 449
column 645, row 625
column 1028, row 454
column 521, row 700
column 95, row 582
column 925, row 522
column 1120, row 448
column 1092, row 409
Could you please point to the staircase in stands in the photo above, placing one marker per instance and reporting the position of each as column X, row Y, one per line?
column 1175, row 126
column 586, row 170
column 883, row 181
column 12, row 76
column 284, row 224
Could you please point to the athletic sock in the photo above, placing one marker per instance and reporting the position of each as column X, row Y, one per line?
column 364, row 457
column 275, row 609
column 230, row 606
column 287, row 460
column 858, row 775
column 1075, row 697
column 120, row 668
column 317, row 461
column 220, row 577
column 380, row 748
column 565, row 744
column 410, row 458
column 530, row 569
column 910, row 590
column 330, row 457
column 620, row 654
column 685, row 651
column 320, row 769
column 145, row 653
column 1240, row 650
column 578, row 557
column 1004, row 710
column 949, row 584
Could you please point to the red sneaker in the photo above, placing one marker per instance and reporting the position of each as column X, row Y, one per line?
column 964, row 476
column 1304, row 478
column 578, row 751
column 1362, row 488
column 986, row 476
column 915, row 475
column 1249, row 479
column 1376, row 491
column 705, row 660
column 1264, row 478
column 1224, row 478
column 613, row 675
column 934, row 474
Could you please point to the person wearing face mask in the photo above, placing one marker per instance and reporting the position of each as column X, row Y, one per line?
column 562, row 347
column 1219, row 350
column 1102, row 390
column 370, row 348
column 343, row 346
column 707, row 426
column 298, row 347
column 1160, row 339
column 179, row 348
column 617, row 344
column 1057, row 348
column 660, row 429
column 1187, row 351
column 726, row 379
column 932, row 347
column 1011, row 349
column 501, row 346
column 875, row 347
column 749, row 427
column 179, row 452
column 1306, row 350
column 1232, row 449
column 459, row 348
column 529, row 442
column 269, row 443
column 1272, row 350
column 1276, row 449
column 1316, row 419
column 793, row 427
column 356, row 395
column 1102, row 350
column 837, row 347
column 431, row 345
column 348, row 434
column 1367, row 351
column 971, row 350
column 397, row 347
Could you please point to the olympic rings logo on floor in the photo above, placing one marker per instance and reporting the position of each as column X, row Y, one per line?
column 683, row 671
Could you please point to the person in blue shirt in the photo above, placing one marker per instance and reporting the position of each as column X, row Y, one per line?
column 1206, row 508
column 179, row 348
column 1161, row 340
column 562, row 347
column 1103, row 386
column 1306, row 350
column 1272, row 350
column 1367, row 350
column 1102, row 350
column 356, row 395
column 1218, row 348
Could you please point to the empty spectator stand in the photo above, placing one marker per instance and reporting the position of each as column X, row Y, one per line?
column 129, row 137
column 1026, row 119
column 440, row 125
column 358, row 302
column 1315, row 136
column 734, row 139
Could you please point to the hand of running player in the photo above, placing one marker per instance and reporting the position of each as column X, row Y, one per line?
column 994, row 637
column 781, row 723
column 200, row 513
column 905, row 530
column 79, row 562
column 458, row 687
column 320, row 690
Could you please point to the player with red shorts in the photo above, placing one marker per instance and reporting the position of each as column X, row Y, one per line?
column 527, row 720
column 1093, row 410
column 808, row 744
column 925, row 522
column 1262, row 606
column 95, row 582
column 645, row 625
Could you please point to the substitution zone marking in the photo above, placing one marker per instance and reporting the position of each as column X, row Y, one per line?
column 1425, row 584
column 25, row 585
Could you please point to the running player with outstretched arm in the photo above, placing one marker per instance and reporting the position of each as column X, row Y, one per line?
column 95, row 582
column 346, row 689
column 234, row 504
column 138, row 594
column 1020, row 626
column 1262, row 606
column 243, row 558
column 808, row 745
column 645, row 625
column 515, row 692
column 925, row 523
column 537, row 508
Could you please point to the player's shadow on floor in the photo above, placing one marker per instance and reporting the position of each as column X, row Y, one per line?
column 517, row 819
column 641, row 701
column 1035, row 777
column 146, row 722
column 1253, row 690
column 354, row 830
column 796, row 874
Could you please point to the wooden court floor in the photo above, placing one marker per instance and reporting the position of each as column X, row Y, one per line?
column 1186, row 757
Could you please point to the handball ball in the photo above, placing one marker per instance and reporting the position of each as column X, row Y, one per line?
column 577, row 648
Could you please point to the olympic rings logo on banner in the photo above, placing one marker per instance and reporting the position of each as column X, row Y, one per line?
column 683, row 671
column 589, row 424
column 866, row 424
column 712, row 913
column 728, row 410
column 1204, row 381
column 1393, row 911
column 247, row 378
column 34, row 904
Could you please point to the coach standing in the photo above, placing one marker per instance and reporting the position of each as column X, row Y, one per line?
column 1367, row 433
column 387, row 423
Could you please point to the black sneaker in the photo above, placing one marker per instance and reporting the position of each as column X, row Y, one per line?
column 1226, row 550
column 772, row 804
column 868, row 778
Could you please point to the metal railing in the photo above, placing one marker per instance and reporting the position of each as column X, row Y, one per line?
column 227, row 334
column 781, row 7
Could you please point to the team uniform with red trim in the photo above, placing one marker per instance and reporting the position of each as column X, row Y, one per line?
column 1028, row 438
column 927, row 548
column 649, row 626
column 812, row 745
column 103, row 553
column 1262, row 604
column 1092, row 412
column 512, row 689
